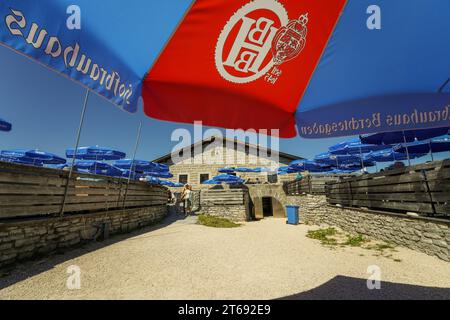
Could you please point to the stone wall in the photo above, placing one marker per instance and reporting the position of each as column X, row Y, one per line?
column 431, row 236
column 22, row 240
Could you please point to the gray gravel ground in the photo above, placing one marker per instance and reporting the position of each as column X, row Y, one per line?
column 260, row 260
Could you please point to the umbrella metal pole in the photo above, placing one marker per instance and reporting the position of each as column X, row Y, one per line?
column 431, row 152
column 77, row 144
column 362, row 160
column 407, row 152
column 132, row 163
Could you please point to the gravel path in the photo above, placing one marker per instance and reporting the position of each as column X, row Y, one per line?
column 261, row 260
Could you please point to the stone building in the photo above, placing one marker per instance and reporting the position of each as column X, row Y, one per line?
column 201, row 161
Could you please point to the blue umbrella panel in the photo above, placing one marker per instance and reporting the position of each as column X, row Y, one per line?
column 36, row 156
column 355, row 147
column 388, row 138
column 95, row 153
column 137, row 165
column 390, row 156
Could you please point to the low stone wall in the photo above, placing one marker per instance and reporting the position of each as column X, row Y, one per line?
column 22, row 240
column 230, row 204
column 431, row 236
column 236, row 213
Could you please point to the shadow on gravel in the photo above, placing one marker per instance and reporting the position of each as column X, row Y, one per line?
column 347, row 288
column 27, row 269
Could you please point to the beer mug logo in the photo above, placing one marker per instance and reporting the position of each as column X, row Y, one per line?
column 290, row 40
column 258, row 37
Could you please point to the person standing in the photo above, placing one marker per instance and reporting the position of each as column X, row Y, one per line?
column 186, row 197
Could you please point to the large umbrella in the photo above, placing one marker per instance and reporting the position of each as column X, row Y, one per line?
column 424, row 147
column 404, row 137
column 144, row 168
column 356, row 165
column 137, row 165
column 307, row 48
column 133, row 175
column 225, row 176
column 97, row 167
column 159, row 174
column 33, row 156
column 262, row 169
column 390, row 155
column 388, row 138
column 336, row 159
column 308, row 165
column 440, row 144
column 355, row 146
column 228, row 178
column 95, row 153
column 286, row 170
column 5, row 125
column 22, row 160
column 161, row 167
column 152, row 180
column 211, row 182
column 170, row 183
column 244, row 170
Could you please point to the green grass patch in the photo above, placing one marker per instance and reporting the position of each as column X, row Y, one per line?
column 355, row 241
column 216, row 222
column 336, row 239
column 323, row 235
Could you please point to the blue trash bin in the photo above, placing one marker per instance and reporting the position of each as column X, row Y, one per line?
column 292, row 214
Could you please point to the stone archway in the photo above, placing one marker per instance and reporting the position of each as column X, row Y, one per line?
column 273, row 191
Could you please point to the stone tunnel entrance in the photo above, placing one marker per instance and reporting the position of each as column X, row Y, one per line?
column 267, row 201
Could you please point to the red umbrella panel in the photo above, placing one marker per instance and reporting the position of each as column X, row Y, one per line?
column 241, row 64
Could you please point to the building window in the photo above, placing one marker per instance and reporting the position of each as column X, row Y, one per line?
column 272, row 178
column 183, row 178
column 204, row 177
